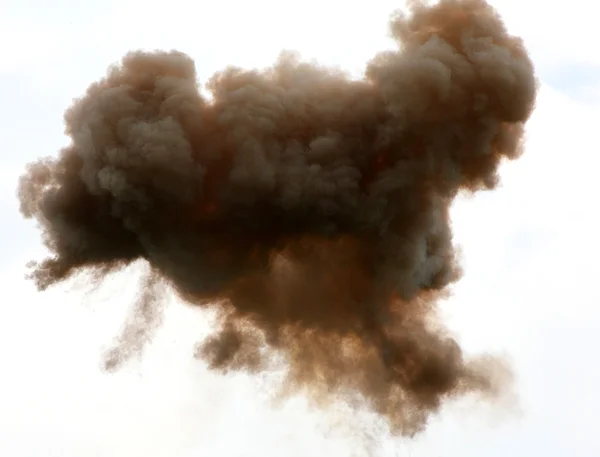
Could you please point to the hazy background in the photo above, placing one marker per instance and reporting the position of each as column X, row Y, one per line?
column 533, row 243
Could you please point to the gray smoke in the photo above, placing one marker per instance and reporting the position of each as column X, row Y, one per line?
column 309, row 209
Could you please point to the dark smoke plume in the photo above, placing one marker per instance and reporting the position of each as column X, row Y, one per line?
column 309, row 209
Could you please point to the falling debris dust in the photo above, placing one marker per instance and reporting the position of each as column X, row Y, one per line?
column 310, row 210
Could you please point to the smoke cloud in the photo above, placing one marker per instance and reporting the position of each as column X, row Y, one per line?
column 308, row 209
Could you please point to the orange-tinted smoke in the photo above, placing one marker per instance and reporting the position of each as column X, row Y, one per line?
column 310, row 209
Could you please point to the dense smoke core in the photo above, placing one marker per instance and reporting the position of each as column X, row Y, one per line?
column 311, row 210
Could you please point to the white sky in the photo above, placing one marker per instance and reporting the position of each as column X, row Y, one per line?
column 530, row 249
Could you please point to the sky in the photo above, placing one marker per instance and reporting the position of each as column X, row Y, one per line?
column 530, row 249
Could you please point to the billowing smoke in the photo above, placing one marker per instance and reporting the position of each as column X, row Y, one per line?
column 309, row 209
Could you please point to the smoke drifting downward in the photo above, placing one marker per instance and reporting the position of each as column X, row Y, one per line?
column 309, row 209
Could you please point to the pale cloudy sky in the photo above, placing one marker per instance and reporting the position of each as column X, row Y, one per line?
column 530, row 249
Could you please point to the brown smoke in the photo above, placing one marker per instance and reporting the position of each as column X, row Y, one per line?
column 311, row 210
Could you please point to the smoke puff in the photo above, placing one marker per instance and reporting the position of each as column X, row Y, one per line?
column 309, row 209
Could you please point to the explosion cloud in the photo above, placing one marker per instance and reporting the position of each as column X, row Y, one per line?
column 311, row 210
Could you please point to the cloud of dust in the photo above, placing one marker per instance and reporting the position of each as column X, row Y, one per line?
column 310, row 210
